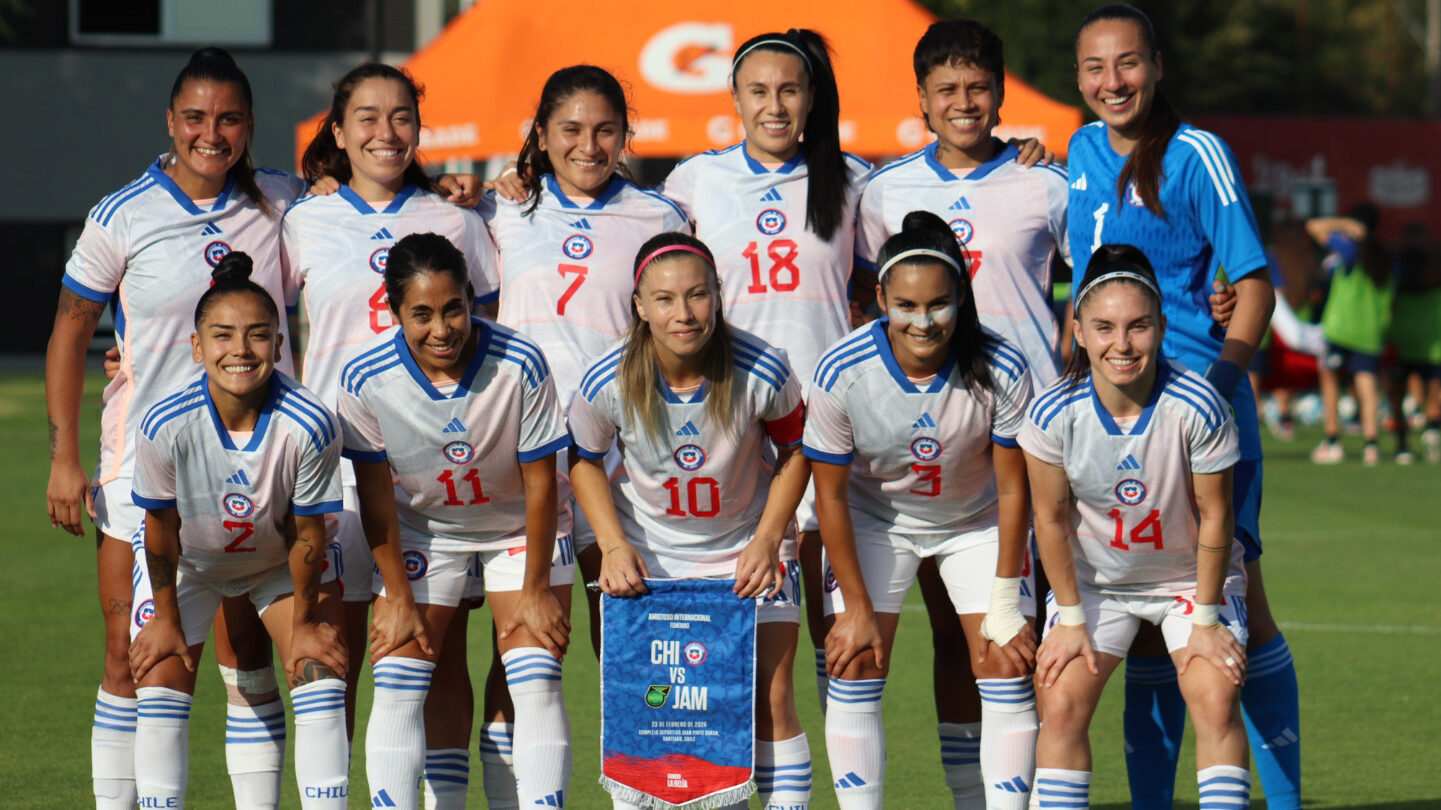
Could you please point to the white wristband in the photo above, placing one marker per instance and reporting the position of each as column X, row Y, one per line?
column 1003, row 617
column 1205, row 615
column 1073, row 615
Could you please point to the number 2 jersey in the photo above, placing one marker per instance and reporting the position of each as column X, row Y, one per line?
column 920, row 454
column 233, row 492
column 1010, row 219
column 455, row 450
column 780, row 281
column 567, row 269
column 1134, row 521
column 148, row 250
column 689, row 499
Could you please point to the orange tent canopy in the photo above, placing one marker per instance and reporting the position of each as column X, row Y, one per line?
column 483, row 74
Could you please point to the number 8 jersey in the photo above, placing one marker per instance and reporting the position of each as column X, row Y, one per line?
column 1134, row 521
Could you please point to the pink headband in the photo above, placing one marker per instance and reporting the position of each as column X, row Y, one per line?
column 669, row 249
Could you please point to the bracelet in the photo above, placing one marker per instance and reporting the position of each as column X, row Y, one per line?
column 508, row 170
column 1205, row 615
column 1073, row 615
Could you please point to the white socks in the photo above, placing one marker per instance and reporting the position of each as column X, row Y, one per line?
column 395, row 733
column 961, row 762
column 322, row 750
column 856, row 742
column 112, row 752
column 1058, row 789
column 1008, row 740
column 447, row 776
column 162, row 732
column 1224, row 787
column 497, row 766
column 542, row 730
column 255, row 753
column 783, row 773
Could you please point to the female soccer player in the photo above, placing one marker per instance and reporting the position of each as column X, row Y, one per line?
column 149, row 248
column 236, row 472
column 335, row 249
column 697, row 406
column 1141, row 176
column 461, row 413
column 1130, row 458
column 911, row 434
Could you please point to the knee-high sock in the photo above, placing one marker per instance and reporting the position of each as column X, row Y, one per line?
column 447, row 776
column 497, row 765
column 1271, row 704
column 542, row 730
column 322, row 749
column 1154, row 721
column 783, row 773
column 1058, row 789
column 1225, row 787
column 255, row 753
column 1008, row 740
column 961, row 762
column 162, row 745
column 112, row 752
column 395, row 733
column 823, row 681
column 856, row 742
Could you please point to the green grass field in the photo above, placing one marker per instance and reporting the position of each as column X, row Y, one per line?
column 1353, row 568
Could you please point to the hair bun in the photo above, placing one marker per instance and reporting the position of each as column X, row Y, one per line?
column 212, row 55
column 925, row 221
column 236, row 266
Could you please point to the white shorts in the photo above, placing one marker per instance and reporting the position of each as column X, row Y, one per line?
column 806, row 520
column 1113, row 620
column 889, row 561
column 348, row 550
column 200, row 598
column 439, row 577
column 116, row 514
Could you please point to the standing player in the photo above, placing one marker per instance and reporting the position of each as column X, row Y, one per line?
column 335, row 249
column 147, row 250
column 1130, row 458
column 1141, row 176
column 697, row 407
column 461, row 414
column 236, row 472
column 911, row 433
column 1011, row 219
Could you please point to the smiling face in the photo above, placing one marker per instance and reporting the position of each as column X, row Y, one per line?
column 434, row 316
column 380, row 133
column 922, row 301
column 678, row 298
column 584, row 139
column 772, row 95
column 238, row 341
column 209, row 125
column 1120, row 326
column 962, row 104
column 1117, row 72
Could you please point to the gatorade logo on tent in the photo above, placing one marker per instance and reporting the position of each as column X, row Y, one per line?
column 692, row 58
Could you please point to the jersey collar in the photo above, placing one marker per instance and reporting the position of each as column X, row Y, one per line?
column 883, row 345
column 785, row 168
column 673, row 398
column 482, row 346
column 257, row 437
column 348, row 194
column 1108, row 422
column 157, row 172
column 614, row 187
column 1007, row 152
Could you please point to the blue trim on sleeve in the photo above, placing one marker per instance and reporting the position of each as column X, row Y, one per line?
column 151, row 503
column 548, row 449
column 364, row 455
column 322, row 508
column 1004, row 441
column 487, row 298
column 88, row 293
column 838, row 459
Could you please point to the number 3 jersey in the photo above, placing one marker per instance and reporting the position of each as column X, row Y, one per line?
column 233, row 491
column 455, row 450
column 920, row 454
column 1134, row 520
column 690, row 498
column 567, row 269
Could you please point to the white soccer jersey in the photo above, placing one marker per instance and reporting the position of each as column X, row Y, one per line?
column 455, row 451
column 1134, row 521
column 1011, row 221
column 233, row 500
column 920, row 455
column 690, row 502
column 566, row 270
column 148, row 250
column 779, row 280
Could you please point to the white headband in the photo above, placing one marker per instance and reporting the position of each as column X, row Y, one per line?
column 906, row 254
column 785, row 43
column 1112, row 275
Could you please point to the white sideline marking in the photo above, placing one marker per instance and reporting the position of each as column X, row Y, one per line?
column 1387, row 629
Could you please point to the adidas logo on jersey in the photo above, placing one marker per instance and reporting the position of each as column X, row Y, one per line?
column 239, row 478
column 1080, row 184
column 774, row 195
column 453, row 427
column 383, row 233
column 924, row 422
column 211, row 229
column 961, row 204
column 582, row 224
column 1129, row 463
column 688, row 429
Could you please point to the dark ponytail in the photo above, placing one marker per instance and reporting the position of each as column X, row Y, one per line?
column 217, row 65
column 923, row 230
column 232, row 275
column 1143, row 165
column 825, row 163
column 324, row 157
column 534, row 162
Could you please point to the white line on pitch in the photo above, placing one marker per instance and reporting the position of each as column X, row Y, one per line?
column 1388, row 629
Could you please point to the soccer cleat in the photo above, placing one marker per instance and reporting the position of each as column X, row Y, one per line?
column 1405, row 458
column 1431, row 442
column 1371, row 455
column 1328, row 452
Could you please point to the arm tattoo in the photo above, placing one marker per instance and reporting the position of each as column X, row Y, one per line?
column 54, row 429
column 311, row 671
column 310, row 592
column 162, row 570
column 76, row 308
